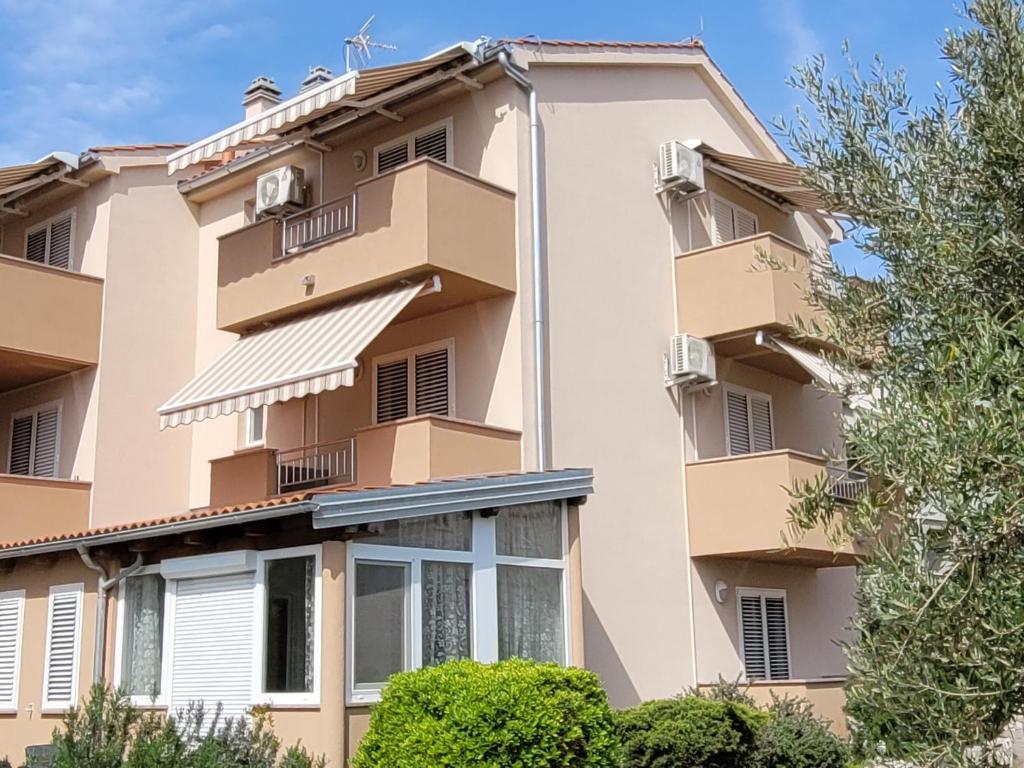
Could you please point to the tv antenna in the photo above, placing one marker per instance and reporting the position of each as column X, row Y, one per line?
column 360, row 46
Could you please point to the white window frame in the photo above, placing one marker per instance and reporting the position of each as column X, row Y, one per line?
column 63, row 706
column 410, row 354
column 713, row 198
column 747, row 392
column 45, row 224
column 32, row 411
column 170, row 587
column 11, row 707
column 410, row 140
column 247, row 438
column 483, row 559
column 762, row 592
column 284, row 699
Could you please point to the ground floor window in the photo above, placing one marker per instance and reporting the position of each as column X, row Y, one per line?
column 141, row 654
column 764, row 633
column 484, row 585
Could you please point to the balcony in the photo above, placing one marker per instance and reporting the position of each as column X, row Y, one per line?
column 422, row 219
column 396, row 453
column 726, row 293
column 49, row 322
column 33, row 507
column 739, row 507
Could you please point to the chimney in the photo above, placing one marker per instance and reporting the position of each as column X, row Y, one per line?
column 261, row 95
column 316, row 76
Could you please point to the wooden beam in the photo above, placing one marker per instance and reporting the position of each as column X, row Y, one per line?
column 469, row 82
column 389, row 114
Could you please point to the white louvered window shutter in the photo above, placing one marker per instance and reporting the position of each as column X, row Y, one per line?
column 392, row 390
column 12, row 616
column 44, row 451
column 63, row 643
column 761, row 434
column 20, row 462
column 35, row 245
column 737, row 422
column 433, row 144
column 432, row 382
column 744, row 222
column 765, row 634
column 212, row 648
column 392, row 157
column 721, row 213
column 60, row 242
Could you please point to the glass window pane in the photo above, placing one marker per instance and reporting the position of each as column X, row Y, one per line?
column 381, row 623
column 530, row 530
column 290, row 619
column 452, row 531
column 446, row 619
column 141, row 660
column 530, row 622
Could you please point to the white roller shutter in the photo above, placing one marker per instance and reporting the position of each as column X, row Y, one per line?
column 63, row 646
column 12, row 616
column 764, row 634
column 212, row 647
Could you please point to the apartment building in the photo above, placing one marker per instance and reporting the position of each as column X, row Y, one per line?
column 382, row 375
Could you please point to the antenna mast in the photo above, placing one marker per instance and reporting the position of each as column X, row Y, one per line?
column 360, row 46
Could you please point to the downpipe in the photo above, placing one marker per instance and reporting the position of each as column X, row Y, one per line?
column 539, row 308
column 103, row 586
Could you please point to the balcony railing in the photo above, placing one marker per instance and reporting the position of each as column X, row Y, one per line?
column 328, row 221
column 846, row 485
column 311, row 466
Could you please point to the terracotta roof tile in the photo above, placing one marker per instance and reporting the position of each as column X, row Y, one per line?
column 138, row 147
column 691, row 43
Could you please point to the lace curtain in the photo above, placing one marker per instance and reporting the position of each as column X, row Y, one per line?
column 445, row 611
column 452, row 531
column 530, row 530
column 530, row 613
column 144, row 630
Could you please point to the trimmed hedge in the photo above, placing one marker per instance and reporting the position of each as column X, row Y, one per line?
column 512, row 714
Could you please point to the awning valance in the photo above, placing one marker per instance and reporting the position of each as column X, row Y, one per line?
column 308, row 355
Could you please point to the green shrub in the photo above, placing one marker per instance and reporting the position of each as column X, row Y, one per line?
column 689, row 731
column 794, row 737
column 513, row 714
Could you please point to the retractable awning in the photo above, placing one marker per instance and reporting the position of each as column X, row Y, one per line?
column 820, row 369
column 782, row 182
column 308, row 355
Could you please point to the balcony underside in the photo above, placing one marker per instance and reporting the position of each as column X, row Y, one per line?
column 19, row 368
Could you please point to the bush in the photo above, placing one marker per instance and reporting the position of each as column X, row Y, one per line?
column 794, row 737
column 464, row 714
column 107, row 732
column 690, row 731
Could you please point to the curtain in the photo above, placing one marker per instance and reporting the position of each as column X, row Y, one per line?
column 309, row 609
column 452, row 531
column 530, row 530
column 144, row 631
column 530, row 622
column 446, row 619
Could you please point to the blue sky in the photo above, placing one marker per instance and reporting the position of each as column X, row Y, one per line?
column 80, row 73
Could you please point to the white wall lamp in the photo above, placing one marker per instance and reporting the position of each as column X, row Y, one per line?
column 721, row 591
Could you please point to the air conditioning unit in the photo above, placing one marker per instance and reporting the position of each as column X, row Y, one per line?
column 691, row 356
column 280, row 190
column 680, row 168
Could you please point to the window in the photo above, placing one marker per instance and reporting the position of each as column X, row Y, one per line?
column 63, row 638
column 433, row 141
column 730, row 222
column 414, row 382
column 139, row 661
column 50, row 242
column 35, row 441
column 764, row 633
column 255, row 426
column 12, row 618
column 748, row 421
column 459, row 585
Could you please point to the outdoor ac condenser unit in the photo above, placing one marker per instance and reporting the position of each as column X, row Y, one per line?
column 680, row 168
column 280, row 190
column 691, row 356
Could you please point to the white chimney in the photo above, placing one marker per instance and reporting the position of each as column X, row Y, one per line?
column 261, row 95
column 316, row 76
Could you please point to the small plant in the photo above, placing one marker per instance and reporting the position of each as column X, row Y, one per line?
column 97, row 733
column 795, row 737
column 725, row 690
column 513, row 714
column 690, row 731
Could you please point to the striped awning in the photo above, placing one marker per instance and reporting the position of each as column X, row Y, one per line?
column 305, row 356
column 782, row 182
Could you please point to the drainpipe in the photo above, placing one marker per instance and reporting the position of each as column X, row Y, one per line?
column 104, row 584
column 539, row 312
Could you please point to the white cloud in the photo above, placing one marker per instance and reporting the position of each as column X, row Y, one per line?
column 786, row 18
column 213, row 34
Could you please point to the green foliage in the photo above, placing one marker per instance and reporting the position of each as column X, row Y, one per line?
column 513, row 714
column 935, row 194
column 794, row 737
column 724, row 690
column 107, row 732
column 689, row 731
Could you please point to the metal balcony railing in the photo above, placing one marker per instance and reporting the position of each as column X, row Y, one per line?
column 315, row 226
column 311, row 466
column 846, row 485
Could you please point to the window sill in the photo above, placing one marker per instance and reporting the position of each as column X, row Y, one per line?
column 286, row 702
column 362, row 698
